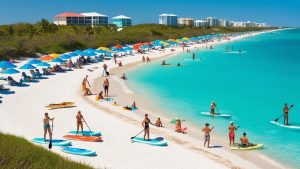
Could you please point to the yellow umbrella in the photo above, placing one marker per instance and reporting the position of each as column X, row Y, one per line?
column 54, row 55
column 185, row 38
column 104, row 48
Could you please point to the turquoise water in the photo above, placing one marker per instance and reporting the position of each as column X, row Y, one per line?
column 252, row 87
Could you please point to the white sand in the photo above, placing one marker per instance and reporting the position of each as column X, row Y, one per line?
column 22, row 114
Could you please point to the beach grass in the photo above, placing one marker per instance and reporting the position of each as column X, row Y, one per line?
column 16, row 152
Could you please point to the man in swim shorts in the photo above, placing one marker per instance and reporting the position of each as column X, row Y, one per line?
column 285, row 114
column 46, row 126
column 79, row 120
column 231, row 133
column 206, row 131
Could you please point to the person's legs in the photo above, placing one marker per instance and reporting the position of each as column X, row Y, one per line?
column 145, row 134
column 81, row 125
column 45, row 133
column 208, row 140
column 148, row 133
column 77, row 128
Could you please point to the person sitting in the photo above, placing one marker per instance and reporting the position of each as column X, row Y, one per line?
column 178, row 64
column 100, row 97
column 85, row 89
column 46, row 71
column 2, row 88
column 244, row 140
column 25, row 77
column 12, row 82
column 178, row 127
column 163, row 63
column 158, row 123
column 123, row 76
column 148, row 59
column 38, row 73
column 33, row 75
column 120, row 64
column 134, row 105
column 127, row 107
column 143, row 59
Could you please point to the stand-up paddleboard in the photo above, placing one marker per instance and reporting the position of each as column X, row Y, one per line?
column 236, row 52
column 193, row 60
column 288, row 126
column 78, row 151
column 159, row 141
column 55, row 142
column 108, row 99
column 85, row 133
column 83, row 138
column 253, row 147
column 216, row 115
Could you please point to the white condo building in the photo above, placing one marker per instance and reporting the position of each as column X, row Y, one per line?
column 200, row 23
column 83, row 19
column 213, row 22
column 168, row 19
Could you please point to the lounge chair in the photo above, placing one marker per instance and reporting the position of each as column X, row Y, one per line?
column 25, row 77
column 12, row 82
column 38, row 73
column 33, row 75
column 2, row 88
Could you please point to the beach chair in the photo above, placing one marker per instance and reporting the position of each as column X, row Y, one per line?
column 12, row 82
column 38, row 73
column 33, row 75
column 25, row 77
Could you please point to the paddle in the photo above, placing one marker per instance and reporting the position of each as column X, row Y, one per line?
column 282, row 114
column 50, row 142
column 87, row 126
column 136, row 135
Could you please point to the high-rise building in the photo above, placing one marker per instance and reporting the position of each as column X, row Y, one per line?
column 213, row 22
column 121, row 21
column 168, row 19
column 83, row 19
column 223, row 22
column 185, row 22
column 200, row 23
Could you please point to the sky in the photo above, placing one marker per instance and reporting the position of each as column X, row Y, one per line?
column 272, row 12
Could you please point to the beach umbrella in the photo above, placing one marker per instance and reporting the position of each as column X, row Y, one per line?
column 72, row 54
column 27, row 66
column 10, row 71
column 57, row 60
column 88, row 54
column 54, row 55
column 43, row 64
column 104, row 48
column 34, row 61
column 6, row 65
column 46, row 58
column 65, row 56
column 90, row 50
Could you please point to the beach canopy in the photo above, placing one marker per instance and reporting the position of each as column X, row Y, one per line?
column 46, row 58
column 104, row 48
column 57, row 60
column 43, row 64
column 10, row 71
column 88, row 54
column 65, row 56
column 78, row 52
column 27, row 66
column 72, row 54
column 54, row 55
column 34, row 61
column 6, row 65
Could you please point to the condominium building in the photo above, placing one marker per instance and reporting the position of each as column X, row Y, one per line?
column 223, row 22
column 168, row 19
column 213, row 22
column 121, row 21
column 83, row 19
column 200, row 23
column 185, row 21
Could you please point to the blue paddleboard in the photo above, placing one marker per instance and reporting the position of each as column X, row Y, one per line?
column 55, row 142
column 86, row 133
column 159, row 141
column 78, row 151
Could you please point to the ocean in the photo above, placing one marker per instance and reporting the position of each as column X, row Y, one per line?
column 252, row 86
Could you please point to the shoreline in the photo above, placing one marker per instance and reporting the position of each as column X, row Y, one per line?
column 26, row 108
column 254, row 157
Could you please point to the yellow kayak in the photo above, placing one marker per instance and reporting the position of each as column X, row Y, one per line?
column 61, row 105
column 253, row 147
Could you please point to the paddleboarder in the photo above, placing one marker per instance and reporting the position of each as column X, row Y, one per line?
column 231, row 133
column 146, row 126
column 46, row 126
column 194, row 56
column 206, row 131
column 212, row 107
column 285, row 114
column 244, row 140
column 79, row 120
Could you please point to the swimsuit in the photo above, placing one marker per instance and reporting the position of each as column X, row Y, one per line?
column 146, row 125
column 46, row 126
column 206, row 137
column 231, row 135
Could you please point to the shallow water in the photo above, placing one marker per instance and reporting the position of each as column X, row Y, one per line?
column 252, row 86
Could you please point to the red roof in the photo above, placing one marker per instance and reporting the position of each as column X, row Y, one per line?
column 68, row 14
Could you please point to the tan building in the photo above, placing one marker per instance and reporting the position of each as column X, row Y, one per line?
column 185, row 22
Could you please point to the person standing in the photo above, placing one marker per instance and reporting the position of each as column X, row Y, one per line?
column 285, row 114
column 79, row 120
column 46, row 126
column 231, row 133
column 104, row 73
column 206, row 131
column 146, row 126
column 194, row 56
column 106, row 86
column 212, row 107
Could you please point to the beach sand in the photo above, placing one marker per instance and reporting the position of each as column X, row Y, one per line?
column 22, row 114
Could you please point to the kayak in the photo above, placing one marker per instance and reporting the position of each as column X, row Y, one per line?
column 55, row 142
column 236, row 52
column 61, row 105
column 216, row 115
column 159, row 141
column 85, row 133
column 288, row 126
column 78, row 151
column 83, row 138
column 193, row 59
column 129, row 108
column 256, row 146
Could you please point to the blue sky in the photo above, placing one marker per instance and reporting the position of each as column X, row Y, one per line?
column 274, row 12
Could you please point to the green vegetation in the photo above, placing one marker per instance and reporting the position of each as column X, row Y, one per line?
column 16, row 152
column 26, row 40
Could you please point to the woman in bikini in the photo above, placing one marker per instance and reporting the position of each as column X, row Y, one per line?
column 146, row 126
column 47, row 126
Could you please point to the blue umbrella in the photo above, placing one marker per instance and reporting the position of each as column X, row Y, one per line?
column 27, row 66
column 88, row 54
column 11, row 71
column 43, row 64
column 6, row 64
column 78, row 52
column 34, row 61
column 57, row 60
column 65, row 56
column 72, row 54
